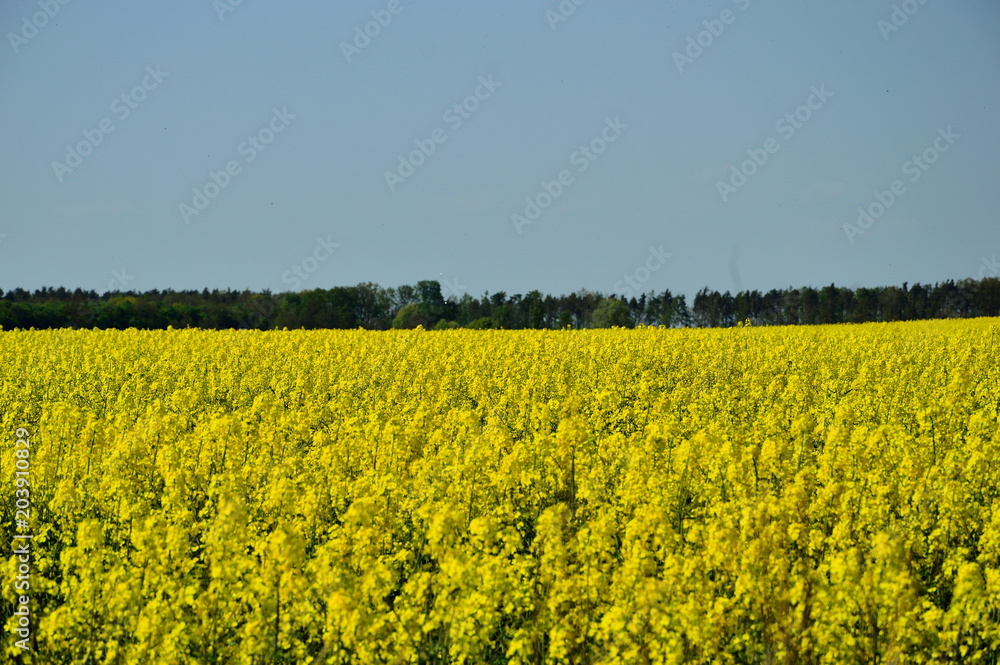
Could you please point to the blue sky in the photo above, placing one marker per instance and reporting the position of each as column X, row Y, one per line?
column 498, row 146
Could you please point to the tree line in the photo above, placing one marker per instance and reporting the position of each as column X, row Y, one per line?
column 373, row 307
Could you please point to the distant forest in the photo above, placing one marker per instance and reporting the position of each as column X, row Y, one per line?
column 373, row 307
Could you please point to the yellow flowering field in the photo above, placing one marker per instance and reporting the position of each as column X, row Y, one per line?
column 748, row 495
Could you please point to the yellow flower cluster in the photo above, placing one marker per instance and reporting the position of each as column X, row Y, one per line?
column 750, row 495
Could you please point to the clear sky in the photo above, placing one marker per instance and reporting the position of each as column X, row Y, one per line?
column 498, row 146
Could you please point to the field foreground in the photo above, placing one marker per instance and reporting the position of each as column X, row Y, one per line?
column 749, row 495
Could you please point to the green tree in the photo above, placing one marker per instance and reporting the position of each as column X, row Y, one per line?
column 432, row 302
column 482, row 323
column 318, row 308
column 611, row 312
column 410, row 316
column 535, row 310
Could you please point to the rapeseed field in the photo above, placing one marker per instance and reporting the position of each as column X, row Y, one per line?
column 746, row 495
